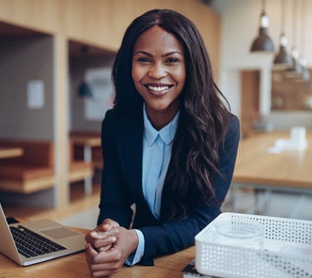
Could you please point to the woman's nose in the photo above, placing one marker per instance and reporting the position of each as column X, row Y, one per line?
column 157, row 71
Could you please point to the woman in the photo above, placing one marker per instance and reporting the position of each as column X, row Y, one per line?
column 169, row 146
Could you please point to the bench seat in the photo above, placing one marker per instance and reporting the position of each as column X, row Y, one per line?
column 31, row 172
column 24, row 172
column 92, row 139
column 34, row 170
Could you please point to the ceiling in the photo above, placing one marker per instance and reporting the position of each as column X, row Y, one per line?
column 8, row 31
column 75, row 48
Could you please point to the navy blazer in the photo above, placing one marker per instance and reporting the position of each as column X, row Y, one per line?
column 122, row 141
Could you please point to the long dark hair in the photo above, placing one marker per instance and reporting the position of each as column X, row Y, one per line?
column 203, row 114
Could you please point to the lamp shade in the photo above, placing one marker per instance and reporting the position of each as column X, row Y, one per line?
column 305, row 73
column 282, row 57
column 84, row 90
column 263, row 42
column 295, row 70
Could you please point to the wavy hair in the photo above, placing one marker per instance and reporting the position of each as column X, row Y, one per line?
column 203, row 115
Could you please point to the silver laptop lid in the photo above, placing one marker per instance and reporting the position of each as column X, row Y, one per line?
column 7, row 245
column 73, row 241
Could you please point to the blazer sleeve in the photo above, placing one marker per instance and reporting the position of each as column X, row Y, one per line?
column 115, row 197
column 171, row 237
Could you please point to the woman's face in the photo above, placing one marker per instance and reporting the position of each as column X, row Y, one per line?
column 158, row 72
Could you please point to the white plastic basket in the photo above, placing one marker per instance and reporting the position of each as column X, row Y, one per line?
column 287, row 250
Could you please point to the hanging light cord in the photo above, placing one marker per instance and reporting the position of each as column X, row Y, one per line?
column 283, row 17
column 295, row 23
column 302, row 40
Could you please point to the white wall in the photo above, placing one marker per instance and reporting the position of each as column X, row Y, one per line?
column 23, row 60
column 78, row 121
column 240, row 23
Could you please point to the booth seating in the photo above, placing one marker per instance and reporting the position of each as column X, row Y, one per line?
column 31, row 172
column 87, row 146
column 34, row 170
column 97, row 160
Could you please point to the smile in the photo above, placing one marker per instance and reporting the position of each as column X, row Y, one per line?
column 158, row 88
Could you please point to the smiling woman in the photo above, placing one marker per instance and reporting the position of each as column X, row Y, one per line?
column 169, row 146
column 158, row 72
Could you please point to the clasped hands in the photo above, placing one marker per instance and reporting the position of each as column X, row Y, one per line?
column 108, row 246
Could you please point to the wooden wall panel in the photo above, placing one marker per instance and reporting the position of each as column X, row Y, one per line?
column 103, row 22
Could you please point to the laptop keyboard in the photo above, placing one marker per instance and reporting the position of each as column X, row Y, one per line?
column 31, row 244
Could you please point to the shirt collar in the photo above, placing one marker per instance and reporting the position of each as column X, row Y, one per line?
column 166, row 133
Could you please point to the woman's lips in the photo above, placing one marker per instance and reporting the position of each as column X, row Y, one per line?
column 158, row 90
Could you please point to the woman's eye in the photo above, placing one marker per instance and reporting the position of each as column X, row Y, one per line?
column 143, row 60
column 172, row 60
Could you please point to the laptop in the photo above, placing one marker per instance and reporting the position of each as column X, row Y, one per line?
column 55, row 240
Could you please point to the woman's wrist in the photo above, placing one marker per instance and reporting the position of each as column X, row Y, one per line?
column 133, row 240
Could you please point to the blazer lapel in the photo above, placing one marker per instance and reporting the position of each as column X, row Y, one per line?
column 133, row 142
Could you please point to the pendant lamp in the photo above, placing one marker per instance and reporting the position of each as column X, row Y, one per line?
column 84, row 89
column 296, row 67
column 296, row 71
column 302, row 61
column 282, row 58
column 263, row 42
column 304, row 71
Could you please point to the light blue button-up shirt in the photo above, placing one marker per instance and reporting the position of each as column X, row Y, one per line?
column 156, row 157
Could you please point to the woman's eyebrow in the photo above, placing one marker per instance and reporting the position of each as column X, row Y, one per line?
column 164, row 55
column 143, row 52
column 172, row 52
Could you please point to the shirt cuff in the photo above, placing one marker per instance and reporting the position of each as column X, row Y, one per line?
column 137, row 256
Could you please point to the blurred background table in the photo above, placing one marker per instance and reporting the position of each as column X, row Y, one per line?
column 265, row 171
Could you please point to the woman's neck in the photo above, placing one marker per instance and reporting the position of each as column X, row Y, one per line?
column 160, row 120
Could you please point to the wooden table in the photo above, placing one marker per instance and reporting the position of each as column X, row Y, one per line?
column 8, row 152
column 289, row 170
column 76, row 266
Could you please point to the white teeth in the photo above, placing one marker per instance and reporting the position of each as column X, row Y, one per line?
column 158, row 89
